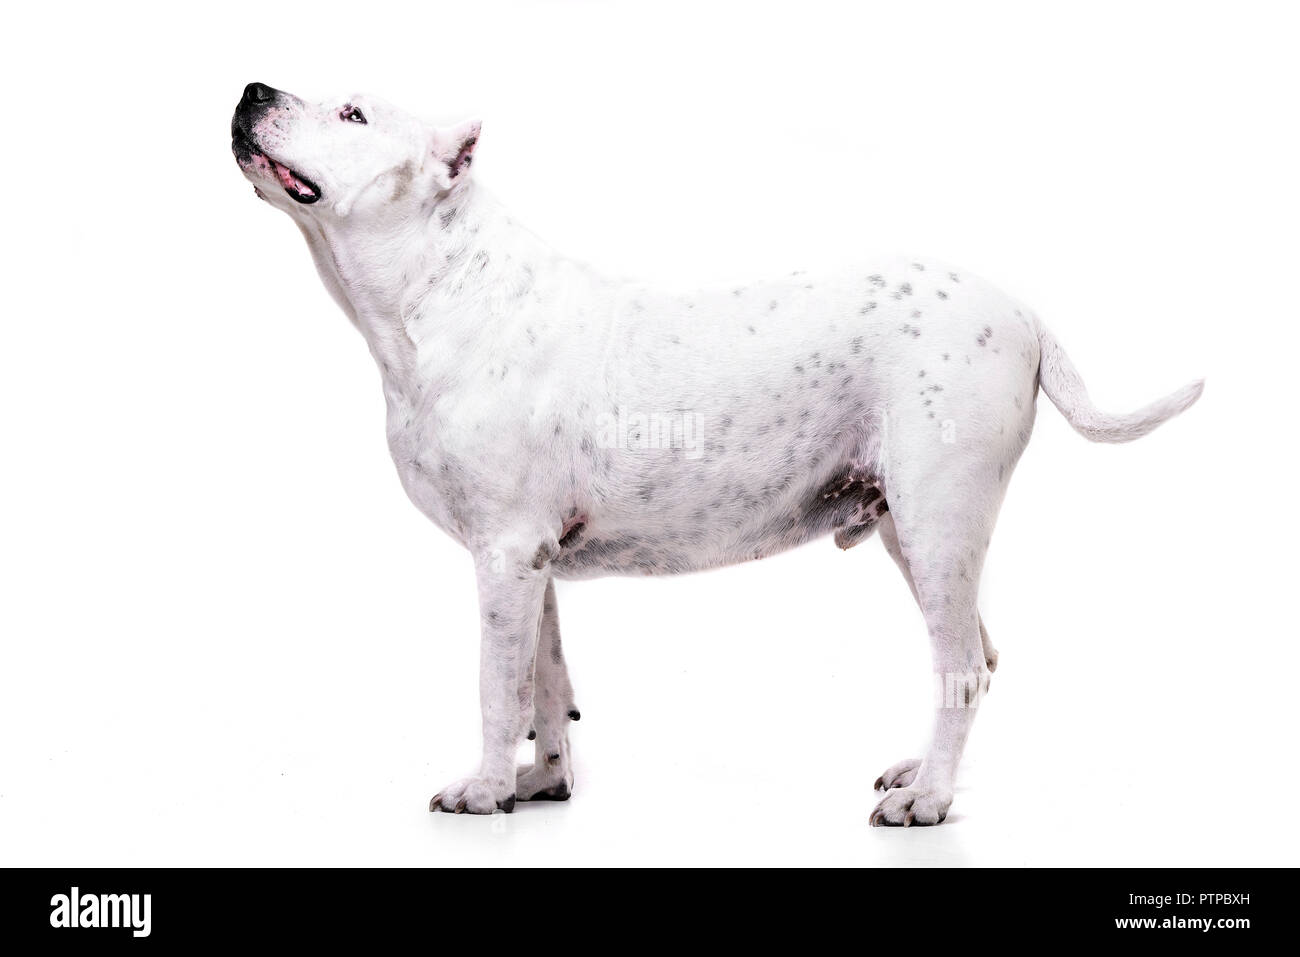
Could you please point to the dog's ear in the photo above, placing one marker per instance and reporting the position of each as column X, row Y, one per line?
column 453, row 149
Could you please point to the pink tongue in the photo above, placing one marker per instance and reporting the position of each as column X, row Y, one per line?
column 289, row 181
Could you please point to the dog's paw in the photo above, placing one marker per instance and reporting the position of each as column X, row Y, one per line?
column 899, row 775
column 544, row 782
column 907, row 806
column 474, row 796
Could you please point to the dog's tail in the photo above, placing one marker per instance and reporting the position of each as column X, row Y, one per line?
column 1062, row 384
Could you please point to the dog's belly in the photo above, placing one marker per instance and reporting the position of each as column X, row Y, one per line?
column 847, row 505
column 770, row 481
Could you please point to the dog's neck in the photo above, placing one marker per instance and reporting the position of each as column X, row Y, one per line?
column 414, row 289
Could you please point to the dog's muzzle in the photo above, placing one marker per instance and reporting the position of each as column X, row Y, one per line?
column 257, row 99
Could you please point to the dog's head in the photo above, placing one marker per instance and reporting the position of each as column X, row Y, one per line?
column 345, row 157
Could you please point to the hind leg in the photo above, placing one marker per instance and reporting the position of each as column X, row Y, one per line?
column 550, row 776
column 943, row 503
column 889, row 536
column 903, row 773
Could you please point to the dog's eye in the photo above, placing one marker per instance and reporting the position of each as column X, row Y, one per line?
column 352, row 115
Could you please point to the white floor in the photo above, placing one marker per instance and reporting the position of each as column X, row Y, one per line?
column 748, row 731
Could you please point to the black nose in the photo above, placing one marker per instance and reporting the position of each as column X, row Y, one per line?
column 258, row 93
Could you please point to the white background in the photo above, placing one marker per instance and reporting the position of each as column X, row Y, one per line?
column 229, row 639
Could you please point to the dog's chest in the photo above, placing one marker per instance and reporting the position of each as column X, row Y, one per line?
column 449, row 456
column 426, row 473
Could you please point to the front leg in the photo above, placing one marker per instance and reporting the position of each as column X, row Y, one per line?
column 511, row 582
column 550, row 776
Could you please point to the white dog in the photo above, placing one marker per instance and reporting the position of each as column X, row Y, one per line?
column 561, row 424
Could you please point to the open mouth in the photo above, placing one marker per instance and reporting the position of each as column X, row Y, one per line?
column 299, row 187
